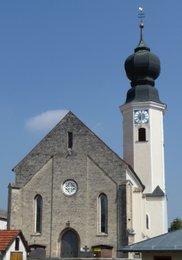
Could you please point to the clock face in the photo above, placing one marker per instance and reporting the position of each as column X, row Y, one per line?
column 141, row 116
column 70, row 187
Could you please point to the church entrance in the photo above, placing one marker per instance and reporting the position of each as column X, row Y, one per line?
column 69, row 244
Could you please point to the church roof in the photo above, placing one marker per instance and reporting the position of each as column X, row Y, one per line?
column 171, row 241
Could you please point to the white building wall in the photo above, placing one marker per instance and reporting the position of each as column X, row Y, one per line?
column 138, row 216
column 138, row 209
column 128, row 144
column 3, row 224
column 155, row 207
column 157, row 148
column 146, row 158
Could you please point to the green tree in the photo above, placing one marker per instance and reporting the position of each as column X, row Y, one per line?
column 175, row 224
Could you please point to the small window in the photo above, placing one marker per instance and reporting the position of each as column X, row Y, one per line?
column 141, row 134
column 147, row 222
column 103, row 213
column 17, row 244
column 70, row 140
column 38, row 213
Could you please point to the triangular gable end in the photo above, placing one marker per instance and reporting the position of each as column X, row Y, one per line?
column 55, row 142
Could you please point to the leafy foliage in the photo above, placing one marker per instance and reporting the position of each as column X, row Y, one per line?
column 175, row 224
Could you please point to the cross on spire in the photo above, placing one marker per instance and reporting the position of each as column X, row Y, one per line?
column 141, row 16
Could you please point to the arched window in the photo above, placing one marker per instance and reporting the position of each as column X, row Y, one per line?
column 38, row 213
column 147, row 221
column 141, row 134
column 103, row 213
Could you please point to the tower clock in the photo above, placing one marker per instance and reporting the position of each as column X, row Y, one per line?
column 141, row 116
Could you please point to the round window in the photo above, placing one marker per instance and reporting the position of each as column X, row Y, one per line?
column 70, row 187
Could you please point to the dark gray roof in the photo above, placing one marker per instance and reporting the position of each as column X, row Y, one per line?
column 142, row 68
column 3, row 214
column 171, row 241
column 142, row 93
column 156, row 193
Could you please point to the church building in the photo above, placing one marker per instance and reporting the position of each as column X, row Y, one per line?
column 75, row 197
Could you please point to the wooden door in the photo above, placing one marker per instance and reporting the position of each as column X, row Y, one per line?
column 16, row 256
column 69, row 244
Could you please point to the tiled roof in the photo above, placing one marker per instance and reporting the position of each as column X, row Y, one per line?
column 171, row 241
column 7, row 237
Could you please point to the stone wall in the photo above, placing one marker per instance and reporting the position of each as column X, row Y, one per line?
column 92, row 165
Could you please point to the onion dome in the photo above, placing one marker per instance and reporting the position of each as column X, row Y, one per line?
column 142, row 68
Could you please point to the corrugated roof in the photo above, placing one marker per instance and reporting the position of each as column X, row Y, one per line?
column 171, row 241
column 7, row 237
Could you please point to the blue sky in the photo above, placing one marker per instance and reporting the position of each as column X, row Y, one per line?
column 65, row 55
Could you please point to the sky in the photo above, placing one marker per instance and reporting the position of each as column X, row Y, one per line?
column 68, row 55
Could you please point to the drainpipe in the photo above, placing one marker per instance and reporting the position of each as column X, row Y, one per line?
column 51, row 217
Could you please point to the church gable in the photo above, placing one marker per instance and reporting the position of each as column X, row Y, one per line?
column 86, row 163
column 69, row 138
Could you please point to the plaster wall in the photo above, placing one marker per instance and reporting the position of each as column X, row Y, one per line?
column 146, row 157
column 155, row 208
column 128, row 144
column 138, row 210
column 157, row 148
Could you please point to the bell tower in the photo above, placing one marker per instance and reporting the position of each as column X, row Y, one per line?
column 143, row 134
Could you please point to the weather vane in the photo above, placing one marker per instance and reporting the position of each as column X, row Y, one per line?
column 141, row 16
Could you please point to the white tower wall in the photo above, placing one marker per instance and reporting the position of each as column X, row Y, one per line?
column 146, row 157
column 147, row 160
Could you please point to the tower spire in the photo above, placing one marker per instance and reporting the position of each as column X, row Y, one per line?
column 143, row 138
column 142, row 69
